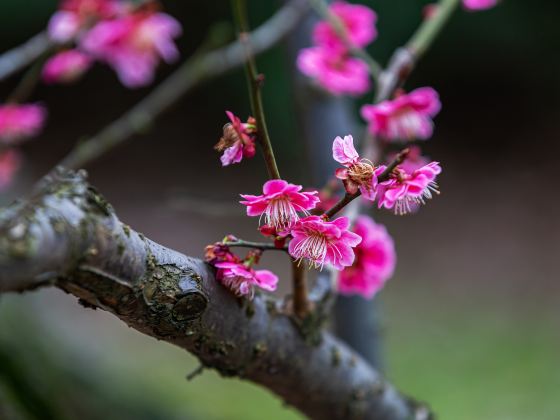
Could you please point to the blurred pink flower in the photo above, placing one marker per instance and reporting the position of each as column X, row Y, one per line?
column 241, row 279
column 479, row 4
column 375, row 260
column 238, row 140
column 134, row 44
column 66, row 67
column 404, row 189
column 280, row 203
column 10, row 162
column 322, row 242
column 407, row 117
column 358, row 173
column 359, row 23
column 337, row 73
column 18, row 122
column 74, row 15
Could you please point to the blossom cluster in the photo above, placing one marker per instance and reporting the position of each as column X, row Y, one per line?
column 290, row 215
column 238, row 274
column 130, row 38
column 330, row 61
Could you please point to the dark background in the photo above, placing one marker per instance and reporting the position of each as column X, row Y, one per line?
column 470, row 319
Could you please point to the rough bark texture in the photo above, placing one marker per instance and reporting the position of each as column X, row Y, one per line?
column 68, row 236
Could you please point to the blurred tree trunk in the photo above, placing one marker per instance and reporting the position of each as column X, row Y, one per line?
column 321, row 118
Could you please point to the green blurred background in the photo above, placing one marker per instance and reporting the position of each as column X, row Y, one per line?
column 471, row 317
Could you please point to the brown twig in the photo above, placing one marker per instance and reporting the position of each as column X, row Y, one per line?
column 255, row 82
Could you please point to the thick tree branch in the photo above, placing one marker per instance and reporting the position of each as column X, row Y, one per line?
column 67, row 235
column 17, row 58
column 189, row 75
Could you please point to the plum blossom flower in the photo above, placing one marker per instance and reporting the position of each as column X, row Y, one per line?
column 337, row 73
column 18, row 122
column 358, row 21
column 280, row 203
column 75, row 15
column 133, row 44
column 10, row 161
column 479, row 4
column 358, row 173
column 407, row 117
column 241, row 279
column 238, row 140
column 66, row 67
column 375, row 260
column 404, row 189
column 323, row 242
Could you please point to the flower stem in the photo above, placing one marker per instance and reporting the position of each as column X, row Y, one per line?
column 255, row 82
column 322, row 9
column 428, row 31
column 384, row 176
column 301, row 299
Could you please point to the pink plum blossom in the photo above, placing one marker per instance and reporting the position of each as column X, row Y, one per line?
column 280, row 203
column 18, row 122
column 404, row 189
column 323, row 242
column 134, row 44
column 66, row 67
column 10, row 161
column 375, row 260
column 358, row 173
column 407, row 117
column 74, row 15
column 358, row 21
column 337, row 73
column 479, row 4
column 238, row 140
column 241, row 279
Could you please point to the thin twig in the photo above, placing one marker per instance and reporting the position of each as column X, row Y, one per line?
column 255, row 82
column 432, row 26
column 256, row 245
column 323, row 9
column 188, row 76
column 17, row 58
column 29, row 81
column 196, row 372
column 301, row 298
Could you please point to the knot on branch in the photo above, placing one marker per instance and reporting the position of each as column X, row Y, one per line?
column 174, row 296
